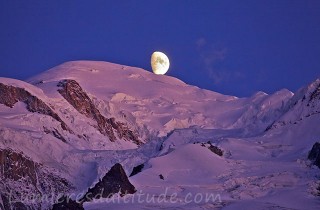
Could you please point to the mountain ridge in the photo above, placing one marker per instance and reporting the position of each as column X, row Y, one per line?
column 120, row 114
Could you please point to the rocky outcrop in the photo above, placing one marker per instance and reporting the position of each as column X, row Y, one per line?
column 314, row 154
column 315, row 95
column 15, row 166
column 137, row 169
column 7, row 204
column 23, row 182
column 304, row 104
column 79, row 99
column 66, row 203
column 115, row 181
column 55, row 133
column 216, row 150
column 10, row 95
column 123, row 131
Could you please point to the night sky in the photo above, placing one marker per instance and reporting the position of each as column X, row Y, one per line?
column 233, row 47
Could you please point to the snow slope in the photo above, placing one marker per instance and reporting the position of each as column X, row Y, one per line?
column 161, row 103
column 262, row 172
column 265, row 139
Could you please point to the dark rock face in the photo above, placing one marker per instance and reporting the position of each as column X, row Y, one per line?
column 315, row 95
column 10, row 95
column 137, row 169
column 78, row 98
column 22, row 181
column 215, row 150
column 65, row 203
column 8, row 205
column 113, row 182
column 314, row 154
column 55, row 133
column 15, row 166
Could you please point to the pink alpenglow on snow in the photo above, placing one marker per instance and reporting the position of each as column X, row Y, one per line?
column 80, row 127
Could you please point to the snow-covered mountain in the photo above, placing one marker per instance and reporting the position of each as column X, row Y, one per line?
column 63, row 130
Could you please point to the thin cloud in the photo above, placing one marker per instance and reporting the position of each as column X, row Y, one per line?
column 224, row 76
column 210, row 56
column 201, row 42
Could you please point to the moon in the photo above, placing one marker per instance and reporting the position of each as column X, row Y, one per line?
column 159, row 63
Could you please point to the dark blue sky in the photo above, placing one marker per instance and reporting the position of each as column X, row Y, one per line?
column 232, row 47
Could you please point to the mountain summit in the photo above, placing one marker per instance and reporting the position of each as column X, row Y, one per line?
column 62, row 131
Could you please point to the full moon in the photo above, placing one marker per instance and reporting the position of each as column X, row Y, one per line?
column 159, row 63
